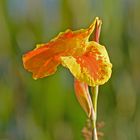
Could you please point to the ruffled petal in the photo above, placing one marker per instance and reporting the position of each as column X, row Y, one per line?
column 83, row 96
column 93, row 67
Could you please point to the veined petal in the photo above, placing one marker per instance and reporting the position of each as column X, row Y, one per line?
column 83, row 96
column 93, row 67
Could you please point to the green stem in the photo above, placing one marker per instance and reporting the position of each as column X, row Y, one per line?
column 94, row 132
column 94, row 91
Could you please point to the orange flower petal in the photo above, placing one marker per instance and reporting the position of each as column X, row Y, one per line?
column 83, row 96
column 40, row 62
column 93, row 67
column 43, row 60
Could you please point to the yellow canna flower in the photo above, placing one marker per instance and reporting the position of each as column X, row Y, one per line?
column 88, row 61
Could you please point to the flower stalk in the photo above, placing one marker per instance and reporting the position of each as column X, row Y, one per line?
column 94, row 90
column 94, row 94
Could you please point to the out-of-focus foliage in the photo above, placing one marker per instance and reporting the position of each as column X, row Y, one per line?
column 47, row 109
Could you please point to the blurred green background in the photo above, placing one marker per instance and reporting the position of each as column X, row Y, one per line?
column 47, row 109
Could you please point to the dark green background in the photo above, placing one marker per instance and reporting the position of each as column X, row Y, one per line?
column 47, row 109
